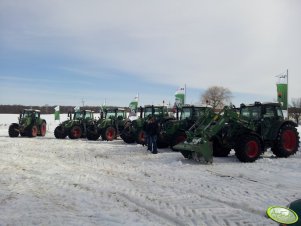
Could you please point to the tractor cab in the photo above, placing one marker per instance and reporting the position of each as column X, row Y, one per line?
column 83, row 115
column 158, row 111
column 115, row 113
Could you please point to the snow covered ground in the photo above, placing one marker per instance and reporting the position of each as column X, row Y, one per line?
column 45, row 181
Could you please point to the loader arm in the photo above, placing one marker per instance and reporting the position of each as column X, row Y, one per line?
column 198, row 145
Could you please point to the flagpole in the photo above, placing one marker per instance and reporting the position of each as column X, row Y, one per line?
column 287, row 91
column 185, row 94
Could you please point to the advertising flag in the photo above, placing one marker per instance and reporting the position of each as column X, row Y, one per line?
column 282, row 90
column 134, row 104
column 57, row 113
column 180, row 97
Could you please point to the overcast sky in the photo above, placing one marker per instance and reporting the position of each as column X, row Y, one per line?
column 59, row 52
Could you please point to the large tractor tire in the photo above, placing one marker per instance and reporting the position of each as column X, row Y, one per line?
column 287, row 141
column 127, row 136
column 59, row 133
column 75, row 132
column 109, row 133
column 219, row 150
column 33, row 131
column 140, row 138
column 13, row 130
column 92, row 134
column 43, row 129
column 248, row 148
column 179, row 137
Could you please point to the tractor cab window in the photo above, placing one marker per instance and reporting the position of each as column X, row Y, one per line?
column 199, row 112
column 36, row 114
column 250, row 113
column 110, row 115
column 185, row 113
column 147, row 112
column 158, row 111
column 120, row 115
column 89, row 115
column 78, row 115
column 269, row 112
column 279, row 112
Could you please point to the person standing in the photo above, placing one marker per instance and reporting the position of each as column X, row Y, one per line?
column 152, row 129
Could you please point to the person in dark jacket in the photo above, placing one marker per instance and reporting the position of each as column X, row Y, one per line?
column 152, row 129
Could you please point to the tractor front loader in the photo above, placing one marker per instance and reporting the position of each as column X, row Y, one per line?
column 249, row 130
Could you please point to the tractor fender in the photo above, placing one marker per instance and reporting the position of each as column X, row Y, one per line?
column 275, row 132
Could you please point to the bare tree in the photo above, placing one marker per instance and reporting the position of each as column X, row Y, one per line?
column 216, row 96
column 295, row 110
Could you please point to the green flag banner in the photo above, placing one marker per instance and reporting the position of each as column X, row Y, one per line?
column 180, row 97
column 57, row 113
column 282, row 95
column 134, row 104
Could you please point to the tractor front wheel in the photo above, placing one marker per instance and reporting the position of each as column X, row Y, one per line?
column 92, row 133
column 179, row 137
column 287, row 141
column 140, row 139
column 43, row 129
column 75, row 132
column 109, row 133
column 59, row 133
column 13, row 130
column 33, row 131
column 219, row 150
column 248, row 149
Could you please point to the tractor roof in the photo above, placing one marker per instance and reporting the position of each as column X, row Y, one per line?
column 32, row 110
column 256, row 103
column 197, row 106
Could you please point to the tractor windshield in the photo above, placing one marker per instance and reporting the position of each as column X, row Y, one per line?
column 185, row 113
column 78, row 115
column 89, row 115
column 157, row 111
column 250, row 113
column 110, row 114
column 120, row 114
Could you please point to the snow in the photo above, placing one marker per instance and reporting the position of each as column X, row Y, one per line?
column 46, row 181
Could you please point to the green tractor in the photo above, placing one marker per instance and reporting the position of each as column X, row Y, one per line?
column 249, row 130
column 30, row 125
column 134, row 130
column 173, row 131
column 109, row 126
column 75, row 127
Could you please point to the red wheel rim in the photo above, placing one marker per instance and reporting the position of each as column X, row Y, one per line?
column 141, row 136
column 76, row 133
column 289, row 140
column 43, row 129
column 110, row 134
column 180, row 138
column 34, row 131
column 252, row 149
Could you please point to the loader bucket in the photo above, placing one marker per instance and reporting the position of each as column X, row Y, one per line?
column 197, row 151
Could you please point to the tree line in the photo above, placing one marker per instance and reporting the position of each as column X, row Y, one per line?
column 46, row 109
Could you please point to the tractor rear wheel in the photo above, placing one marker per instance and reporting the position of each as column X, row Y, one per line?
column 59, row 133
column 219, row 150
column 287, row 141
column 92, row 134
column 140, row 138
column 126, row 135
column 43, row 129
column 33, row 131
column 13, row 130
column 109, row 133
column 248, row 149
column 179, row 137
column 75, row 132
